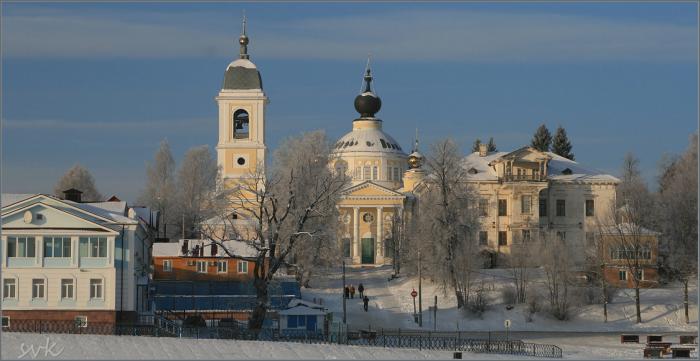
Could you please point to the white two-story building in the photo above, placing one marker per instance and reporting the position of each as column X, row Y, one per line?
column 64, row 260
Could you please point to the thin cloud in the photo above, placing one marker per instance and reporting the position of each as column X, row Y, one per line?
column 112, row 125
column 399, row 35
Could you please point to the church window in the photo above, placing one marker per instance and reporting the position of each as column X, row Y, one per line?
column 590, row 209
column 240, row 161
column 241, row 123
column 375, row 172
column 396, row 174
column 365, row 172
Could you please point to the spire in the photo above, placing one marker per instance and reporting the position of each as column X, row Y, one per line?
column 415, row 144
column 243, row 40
column 368, row 77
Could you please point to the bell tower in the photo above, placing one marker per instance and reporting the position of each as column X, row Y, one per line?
column 241, row 100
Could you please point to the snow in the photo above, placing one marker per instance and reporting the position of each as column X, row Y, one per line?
column 7, row 199
column 302, row 310
column 243, row 63
column 96, row 347
column 172, row 249
column 367, row 140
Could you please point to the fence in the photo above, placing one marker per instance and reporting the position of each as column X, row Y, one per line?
column 446, row 341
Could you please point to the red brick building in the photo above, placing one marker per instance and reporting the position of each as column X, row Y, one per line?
column 627, row 248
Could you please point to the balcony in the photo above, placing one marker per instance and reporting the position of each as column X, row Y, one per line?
column 523, row 178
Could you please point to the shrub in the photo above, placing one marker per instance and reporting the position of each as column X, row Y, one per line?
column 508, row 294
column 478, row 303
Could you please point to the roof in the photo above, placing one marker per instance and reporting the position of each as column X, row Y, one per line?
column 302, row 310
column 111, row 211
column 7, row 199
column 367, row 140
column 242, row 74
column 174, row 249
column 296, row 302
column 478, row 169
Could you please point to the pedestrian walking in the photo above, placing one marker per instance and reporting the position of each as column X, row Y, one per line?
column 347, row 292
column 365, row 300
column 352, row 291
column 361, row 289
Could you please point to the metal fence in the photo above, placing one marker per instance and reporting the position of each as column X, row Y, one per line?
column 422, row 340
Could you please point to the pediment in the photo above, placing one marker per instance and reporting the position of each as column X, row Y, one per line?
column 369, row 189
column 40, row 215
column 57, row 204
column 524, row 154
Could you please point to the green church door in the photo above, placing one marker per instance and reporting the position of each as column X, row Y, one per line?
column 368, row 251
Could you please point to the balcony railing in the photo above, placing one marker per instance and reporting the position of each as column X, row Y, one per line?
column 523, row 178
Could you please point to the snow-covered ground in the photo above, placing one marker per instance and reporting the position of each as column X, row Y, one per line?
column 391, row 306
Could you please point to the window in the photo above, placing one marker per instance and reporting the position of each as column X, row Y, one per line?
column 21, row 247
column 388, row 173
column 167, row 265
column 375, row 172
column 346, row 247
column 543, row 207
column 483, row 238
column 589, row 208
column 525, row 204
column 96, row 288
column 202, row 266
column 502, row 238
column 242, row 266
column 9, row 288
column 366, row 172
column 93, row 247
column 57, row 247
column 397, row 177
column 640, row 275
column 483, row 207
column 5, row 321
column 526, row 235
column 622, row 252
column 622, row 275
column 502, row 207
column 38, row 285
column 80, row 321
column 241, row 124
column 222, row 266
column 561, row 235
column 67, row 288
column 561, row 208
column 291, row 321
column 357, row 173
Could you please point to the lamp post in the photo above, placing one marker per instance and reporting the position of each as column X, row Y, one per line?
column 420, row 292
column 343, row 293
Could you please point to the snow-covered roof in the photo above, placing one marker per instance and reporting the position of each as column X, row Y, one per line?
column 297, row 302
column 7, row 199
column 244, row 63
column 174, row 249
column 478, row 169
column 302, row 310
column 367, row 140
column 106, row 212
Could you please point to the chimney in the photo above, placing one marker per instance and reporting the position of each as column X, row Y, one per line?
column 483, row 149
column 72, row 195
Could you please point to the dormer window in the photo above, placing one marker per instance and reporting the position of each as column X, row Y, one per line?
column 566, row 171
column 241, row 123
column 472, row 171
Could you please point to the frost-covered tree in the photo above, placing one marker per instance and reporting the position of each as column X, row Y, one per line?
column 286, row 213
column 78, row 177
column 561, row 144
column 196, row 181
column 555, row 259
column 678, row 204
column 161, row 192
column 542, row 139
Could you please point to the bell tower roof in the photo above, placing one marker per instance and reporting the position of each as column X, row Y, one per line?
column 242, row 74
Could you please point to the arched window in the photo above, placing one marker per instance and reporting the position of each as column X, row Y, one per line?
column 241, row 123
column 365, row 173
column 375, row 172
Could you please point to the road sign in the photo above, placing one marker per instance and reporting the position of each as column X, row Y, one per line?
column 506, row 323
column 414, row 294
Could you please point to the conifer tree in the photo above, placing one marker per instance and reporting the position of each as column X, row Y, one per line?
column 491, row 146
column 542, row 139
column 561, row 144
column 475, row 147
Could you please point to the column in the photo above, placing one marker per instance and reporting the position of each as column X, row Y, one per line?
column 356, row 235
column 378, row 258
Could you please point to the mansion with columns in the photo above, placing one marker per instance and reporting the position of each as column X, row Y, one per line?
column 524, row 195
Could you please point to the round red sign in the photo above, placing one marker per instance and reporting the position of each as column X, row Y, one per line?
column 414, row 293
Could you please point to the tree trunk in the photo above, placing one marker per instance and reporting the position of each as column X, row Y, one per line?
column 685, row 301
column 605, row 303
column 261, row 304
column 636, row 301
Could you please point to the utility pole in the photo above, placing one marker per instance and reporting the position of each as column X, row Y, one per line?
column 343, row 293
column 420, row 292
column 435, row 315
column 183, row 226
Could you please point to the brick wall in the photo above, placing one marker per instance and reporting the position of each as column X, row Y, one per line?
column 182, row 271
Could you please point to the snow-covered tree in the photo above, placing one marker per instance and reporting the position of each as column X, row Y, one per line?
column 161, row 191
column 196, row 182
column 78, row 177
column 561, row 144
column 542, row 139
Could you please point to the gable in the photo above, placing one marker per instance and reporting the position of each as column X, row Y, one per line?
column 81, row 210
column 42, row 216
column 526, row 154
column 369, row 189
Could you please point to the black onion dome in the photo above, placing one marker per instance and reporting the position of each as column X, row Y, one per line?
column 367, row 103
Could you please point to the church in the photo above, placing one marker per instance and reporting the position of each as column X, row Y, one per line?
column 525, row 195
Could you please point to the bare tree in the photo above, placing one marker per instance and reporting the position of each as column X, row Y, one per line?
column 520, row 262
column 596, row 262
column 446, row 219
column 78, row 177
column 161, row 192
column 196, row 183
column 678, row 200
column 556, row 260
column 282, row 213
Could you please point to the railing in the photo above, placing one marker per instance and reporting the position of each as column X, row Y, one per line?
column 523, row 177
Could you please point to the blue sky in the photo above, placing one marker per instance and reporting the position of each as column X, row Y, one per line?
column 101, row 84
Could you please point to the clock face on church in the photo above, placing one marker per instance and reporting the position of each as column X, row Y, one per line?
column 368, row 217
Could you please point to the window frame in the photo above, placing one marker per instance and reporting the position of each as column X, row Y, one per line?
column 14, row 249
column 483, row 241
column 5, row 321
column 526, row 235
column 543, row 207
column 64, row 286
column 622, row 275
column 502, row 207
column 240, row 265
column 36, row 287
column 528, row 209
column 202, row 269
column 167, row 265
column 219, row 268
column 97, row 286
column 63, row 248
column 483, row 207
column 502, row 241
column 589, row 211
column 6, row 288
column 88, row 244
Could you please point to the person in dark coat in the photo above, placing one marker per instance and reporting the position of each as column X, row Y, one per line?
column 361, row 289
column 365, row 300
column 352, row 291
column 347, row 292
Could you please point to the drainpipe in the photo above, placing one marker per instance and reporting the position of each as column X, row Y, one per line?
column 121, row 276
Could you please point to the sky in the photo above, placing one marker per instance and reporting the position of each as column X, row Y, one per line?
column 101, row 84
